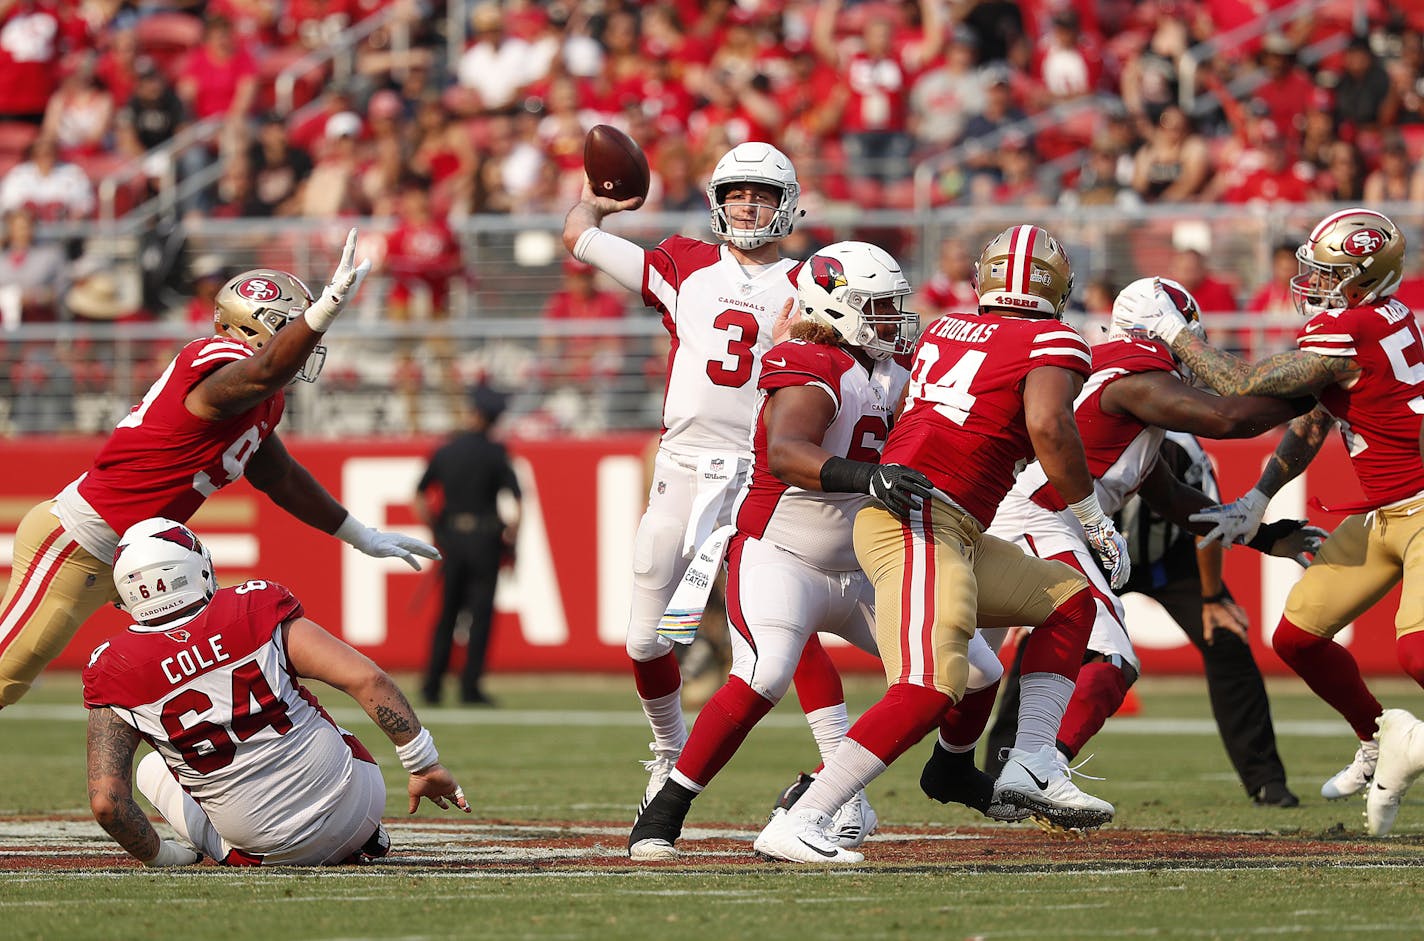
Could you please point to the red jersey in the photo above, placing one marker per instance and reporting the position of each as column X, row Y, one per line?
column 29, row 57
column 1120, row 449
column 424, row 251
column 811, row 525
column 1379, row 413
column 944, row 296
column 217, row 697
column 879, row 92
column 963, row 424
column 162, row 460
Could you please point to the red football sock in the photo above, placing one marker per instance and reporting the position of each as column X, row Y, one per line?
column 1100, row 691
column 1058, row 645
column 720, row 729
column 818, row 683
column 1410, row 650
column 1331, row 673
column 964, row 723
column 900, row 719
column 657, row 678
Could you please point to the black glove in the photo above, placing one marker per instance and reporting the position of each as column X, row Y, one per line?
column 899, row 488
column 1289, row 539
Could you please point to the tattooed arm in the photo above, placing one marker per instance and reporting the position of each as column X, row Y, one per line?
column 1284, row 375
column 315, row 653
column 1302, row 441
column 112, row 743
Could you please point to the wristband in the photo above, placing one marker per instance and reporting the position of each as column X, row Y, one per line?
column 351, row 530
column 173, row 853
column 1089, row 511
column 419, row 753
column 1222, row 596
column 839, row 475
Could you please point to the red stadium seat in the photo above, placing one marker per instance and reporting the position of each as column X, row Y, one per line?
column 16, row 136
column 166, row 36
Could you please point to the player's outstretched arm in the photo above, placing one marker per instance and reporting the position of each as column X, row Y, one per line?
column 619, row 258
column 317, row 654
column 110, row 753
column 242, row 385
column 293, row 488
column 1160, row 399
column 1285, row 375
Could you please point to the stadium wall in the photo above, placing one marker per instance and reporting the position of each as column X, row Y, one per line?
column 564, row 604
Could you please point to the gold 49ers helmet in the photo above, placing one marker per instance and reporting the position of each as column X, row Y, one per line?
column 253, row 306
column 1025, row 271
column 1352, row 257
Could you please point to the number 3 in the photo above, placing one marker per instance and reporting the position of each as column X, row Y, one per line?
column 739, row 348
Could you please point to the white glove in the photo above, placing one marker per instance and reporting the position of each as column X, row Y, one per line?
column 1111, row 549
column 1236, row 522
column 343, row 286
column 173, row 853
column 382, row 545
column 1154, row 313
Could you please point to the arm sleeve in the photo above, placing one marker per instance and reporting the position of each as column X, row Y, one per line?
column 617, row 257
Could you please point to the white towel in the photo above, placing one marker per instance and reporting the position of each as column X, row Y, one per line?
column 717, row 474
column 684, row 612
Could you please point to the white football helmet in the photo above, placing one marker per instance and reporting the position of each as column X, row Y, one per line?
column 1352, row 258
column 161, row 567
column 754, row 163
column 838, row 287
column 1139, row 295
column 253, row 306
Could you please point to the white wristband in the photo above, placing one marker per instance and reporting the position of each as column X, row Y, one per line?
column 351, row 530
column 172, row 853
column 1088, row 511
column 419, row 753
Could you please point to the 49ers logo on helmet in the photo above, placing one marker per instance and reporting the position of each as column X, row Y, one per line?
column 827, row 272
column 1363, row 242
column 258, row 289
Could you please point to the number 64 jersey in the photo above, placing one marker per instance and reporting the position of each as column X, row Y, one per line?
column 161, row 459
column 217, row 697
column 963, row 421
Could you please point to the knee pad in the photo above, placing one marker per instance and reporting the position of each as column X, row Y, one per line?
column 984, row 667
column 643, row 646
column 657, row 552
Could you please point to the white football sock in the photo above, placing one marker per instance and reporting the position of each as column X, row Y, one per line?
column 829, row 726
column 955, row 749
column 850, row 769
column 1043, row 698
column 669, row 727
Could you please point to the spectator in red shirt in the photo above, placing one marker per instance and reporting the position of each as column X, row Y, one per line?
column 422, row 256
column 1279, row 319
column 30, row 46
column 577, row 358
column 219, row 77
column 1287, row 91
column 951, row 288
column 1069, row 65
column 1277, row 180
column 1213, row 296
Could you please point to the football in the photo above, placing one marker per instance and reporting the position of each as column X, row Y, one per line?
column 615, row 164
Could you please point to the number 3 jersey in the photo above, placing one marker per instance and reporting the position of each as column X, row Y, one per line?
column 963, row 423
column 162, row 460
column 719, row 316
column 1379, row 412
column 218, row 698
column 811, row 525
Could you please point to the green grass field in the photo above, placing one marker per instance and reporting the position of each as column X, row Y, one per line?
column 553, row 777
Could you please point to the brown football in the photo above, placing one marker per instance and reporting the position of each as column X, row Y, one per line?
column 616, row 166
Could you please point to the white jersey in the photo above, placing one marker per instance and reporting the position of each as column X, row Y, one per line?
column 218, row 698
column 719, row 317
column 811, row 525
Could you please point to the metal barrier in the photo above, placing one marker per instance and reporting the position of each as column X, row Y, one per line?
column 583, row 376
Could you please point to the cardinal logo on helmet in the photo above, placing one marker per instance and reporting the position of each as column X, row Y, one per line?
column 828, row 272
column 1363, row 242
column 181, row 536
column 258, row 289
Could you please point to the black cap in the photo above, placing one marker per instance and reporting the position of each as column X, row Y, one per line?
column 488, row 401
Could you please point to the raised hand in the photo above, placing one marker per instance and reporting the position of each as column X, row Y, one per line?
column 340, row 289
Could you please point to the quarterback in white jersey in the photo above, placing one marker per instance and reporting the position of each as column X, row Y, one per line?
column 826, row 401
column 247, row 766
column 723, row 305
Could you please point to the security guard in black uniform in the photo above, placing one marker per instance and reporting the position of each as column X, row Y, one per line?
column 1168, row 567
column 458, row 499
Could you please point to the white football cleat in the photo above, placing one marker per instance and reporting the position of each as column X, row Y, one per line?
column 1354, row 777
column 653, row 849
column 658, row 770
column 1039, row 782
column 801, row 836
column 1401, row 759
column 853, row 822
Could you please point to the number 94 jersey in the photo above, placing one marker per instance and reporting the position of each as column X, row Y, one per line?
column 963, row 423
column 1379, row 413
column 162, row 460
column 719, row 317
column 217, row 697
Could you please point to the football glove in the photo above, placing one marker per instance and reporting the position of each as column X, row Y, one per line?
column 383, row 545
column 1155, row 313
column 338, row 292
column 1111, row 549
column 1236, row 522
column 1289, row 539
column 901, row 489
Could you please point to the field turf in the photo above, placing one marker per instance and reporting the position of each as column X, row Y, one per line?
column 553, row 777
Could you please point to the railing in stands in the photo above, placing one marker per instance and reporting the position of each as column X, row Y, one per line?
column 340, row 53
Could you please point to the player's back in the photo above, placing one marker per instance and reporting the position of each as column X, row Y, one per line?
column 161, row 460
column 719, row 316
column 963, row 423
column 217, row 697
column 1120, row 449
column 816, row 526
column 1380, row 412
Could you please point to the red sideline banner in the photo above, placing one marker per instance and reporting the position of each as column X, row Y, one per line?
column 564, row 605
